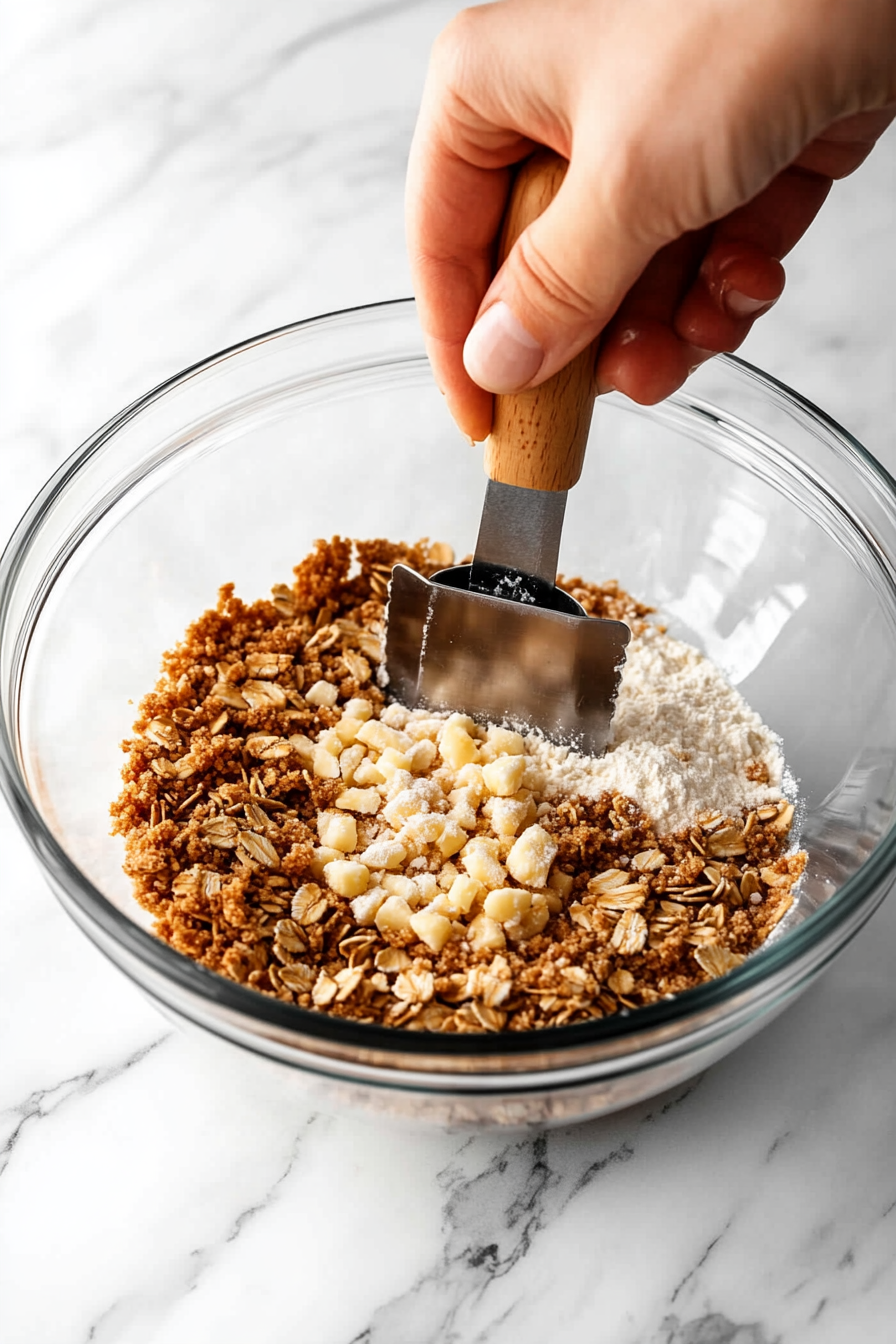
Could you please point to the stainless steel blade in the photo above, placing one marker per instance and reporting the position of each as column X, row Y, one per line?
column 502, row 661
column 520, row 530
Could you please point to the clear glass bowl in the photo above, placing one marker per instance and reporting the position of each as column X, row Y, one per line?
column 765, row 533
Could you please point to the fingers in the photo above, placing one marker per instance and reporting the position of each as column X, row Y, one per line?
column 467, row 137
column 741, row 275
column 737, row 284
column 673, row 321
column 508, row 77
column 846, row 143
column 453, row 215
column 640, row 353
column 563, row 280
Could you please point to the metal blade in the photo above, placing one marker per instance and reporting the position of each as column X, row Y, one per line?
column 502, row 661
column 520, row 530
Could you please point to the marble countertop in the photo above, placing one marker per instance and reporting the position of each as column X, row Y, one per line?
column 178, row 176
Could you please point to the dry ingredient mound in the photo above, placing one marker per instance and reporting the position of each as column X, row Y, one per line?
column 682, row 739
column 289, row 829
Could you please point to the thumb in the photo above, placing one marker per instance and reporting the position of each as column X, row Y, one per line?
column 564, row 278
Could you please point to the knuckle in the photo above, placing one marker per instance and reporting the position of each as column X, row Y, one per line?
column 546, row 285
column 454, row 48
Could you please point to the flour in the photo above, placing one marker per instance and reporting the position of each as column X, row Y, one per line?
column 681, row 744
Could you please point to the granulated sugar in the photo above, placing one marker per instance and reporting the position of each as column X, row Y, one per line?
column 683, row 740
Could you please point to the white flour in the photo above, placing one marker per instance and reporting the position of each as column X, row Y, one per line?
column 681, row 741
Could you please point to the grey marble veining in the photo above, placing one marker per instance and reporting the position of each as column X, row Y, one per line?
column 179, row 176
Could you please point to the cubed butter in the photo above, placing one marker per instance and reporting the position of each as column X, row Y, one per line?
column 452, row 839
column 337, row 831
column 479, row 857
column 367, row 774
column 346, row 877
column 431, row 928
column 359, row 708
column 384, row 854
column 374, row 733
column 393, row 916
column 505, row 775
column 365, row 801
column 364, row 908
column 322, row 856
column 507, row 904
column 530, row 859
column 486, row 934
column 456, row 746
column 324, row 764
column 322, row 693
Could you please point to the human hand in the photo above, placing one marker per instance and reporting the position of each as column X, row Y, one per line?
column 702, row 140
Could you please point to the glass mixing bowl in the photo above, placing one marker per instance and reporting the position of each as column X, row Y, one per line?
column 763, row 531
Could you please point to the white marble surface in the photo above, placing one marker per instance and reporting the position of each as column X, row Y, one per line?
column 178, row 175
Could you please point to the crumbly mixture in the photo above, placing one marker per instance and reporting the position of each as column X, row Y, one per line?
column 289, row 829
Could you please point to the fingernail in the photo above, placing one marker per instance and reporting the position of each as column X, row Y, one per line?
column 500, row 354
column 603, row 388
column 741, row 305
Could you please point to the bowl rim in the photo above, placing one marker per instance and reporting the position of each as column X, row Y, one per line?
column 138, row 943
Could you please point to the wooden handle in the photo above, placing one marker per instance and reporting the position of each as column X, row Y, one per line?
column 538, row 437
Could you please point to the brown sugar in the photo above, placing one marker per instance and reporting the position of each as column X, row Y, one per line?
column 288, row 829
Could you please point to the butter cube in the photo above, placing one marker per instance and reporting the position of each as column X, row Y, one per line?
column 421, row 756
column 324, row 764
column 322, row 856
column 461, row 895
column 463, row 808
column 347, row 729
column 384, row 854
column 560, row 882
column 395, row 715
column 456, row 746
column 337, row 831
column 322, row 693
column 506, row 815
column 364, row 908
column 395, row 884
column 366, row 772
column 507, row 904
column 479, row 858
column 486, row 934
column 532, row 921
column 349, row 761
column 347, row 878
column 303, row 747
column 423, row 829
column 421, row 726
column 426, row 887
column 452, row 839
column 390, row 761
column 506, row 742
column 374, row 733
column 505, row 775
column 403, row 806
column 530, row 859
column 470, row 777
column 366, row 801
column 432, row 929
column 393, row 916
